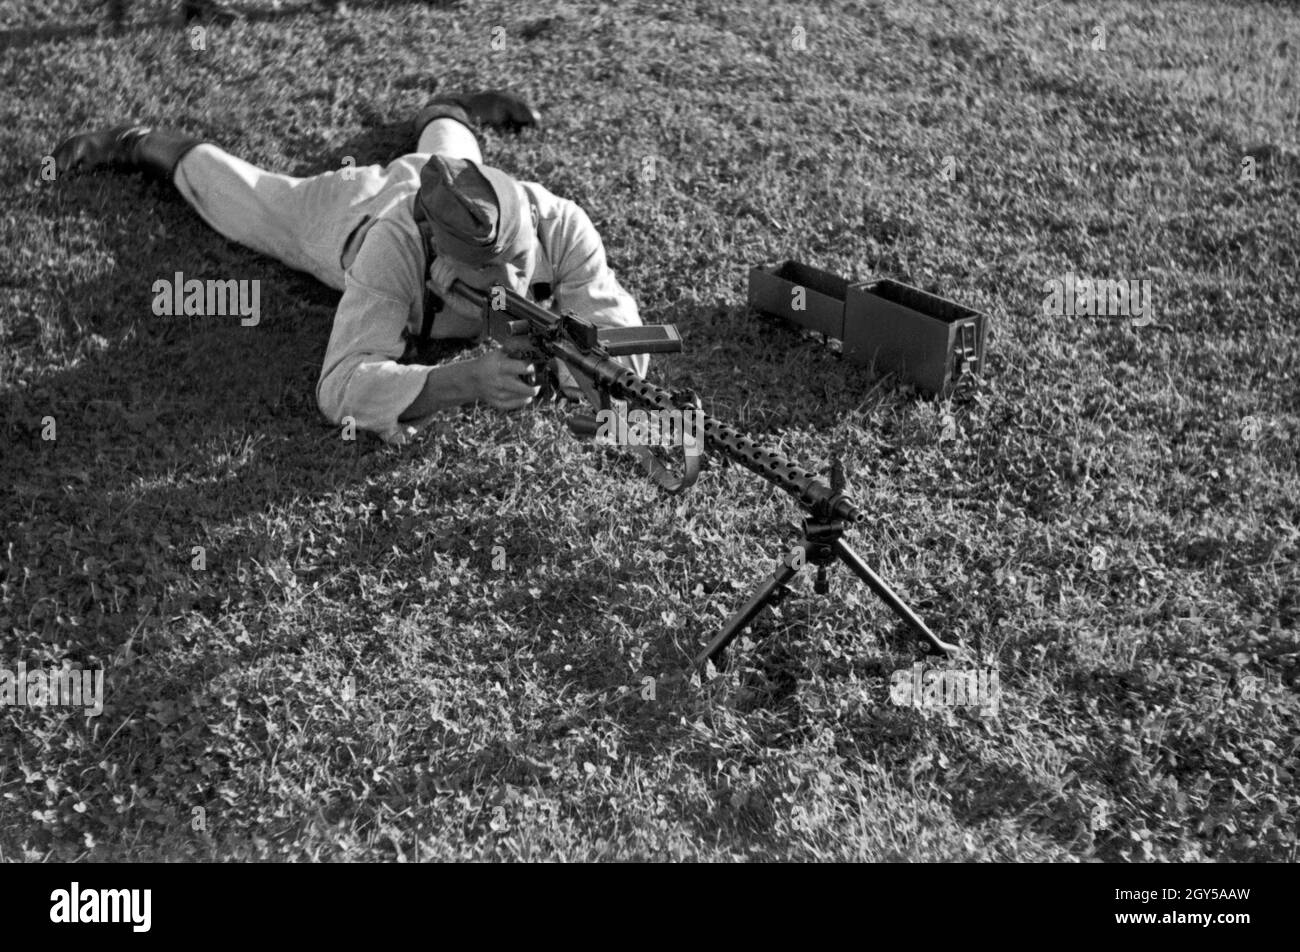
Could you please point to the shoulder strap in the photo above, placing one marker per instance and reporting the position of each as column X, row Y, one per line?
column 433, row 303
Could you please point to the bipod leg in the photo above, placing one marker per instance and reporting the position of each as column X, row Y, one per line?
column 743, row 616
column 886, row 595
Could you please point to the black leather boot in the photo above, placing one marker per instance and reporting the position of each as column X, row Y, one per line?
column 127, row 148
column 494, row 108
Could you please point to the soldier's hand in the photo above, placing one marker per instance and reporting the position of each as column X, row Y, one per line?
column 455, row 308
column 441, row 275
column 496, row 380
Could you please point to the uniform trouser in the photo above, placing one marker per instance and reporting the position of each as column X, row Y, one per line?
column 311, row 224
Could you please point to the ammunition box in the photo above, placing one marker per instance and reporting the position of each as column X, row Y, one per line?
column 808, row 297
column 887, row 326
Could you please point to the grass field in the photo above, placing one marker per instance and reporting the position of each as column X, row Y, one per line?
column 1110, row 519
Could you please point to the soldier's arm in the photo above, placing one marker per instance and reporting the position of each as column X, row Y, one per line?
column 585, row 283
column 361, row 376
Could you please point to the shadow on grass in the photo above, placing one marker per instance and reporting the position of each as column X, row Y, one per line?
column 119, row 20
column 166, row 427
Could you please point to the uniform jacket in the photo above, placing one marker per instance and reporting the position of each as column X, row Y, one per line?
column 383, row 296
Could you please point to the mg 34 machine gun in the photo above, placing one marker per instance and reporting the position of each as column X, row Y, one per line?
column 529, row 331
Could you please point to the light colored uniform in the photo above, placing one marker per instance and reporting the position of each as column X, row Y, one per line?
column 354, row 230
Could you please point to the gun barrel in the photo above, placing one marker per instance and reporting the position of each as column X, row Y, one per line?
column 624, row 383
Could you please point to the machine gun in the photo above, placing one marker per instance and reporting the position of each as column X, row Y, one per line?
column 532, row 332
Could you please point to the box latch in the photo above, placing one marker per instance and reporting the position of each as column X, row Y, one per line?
column 967, row 357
